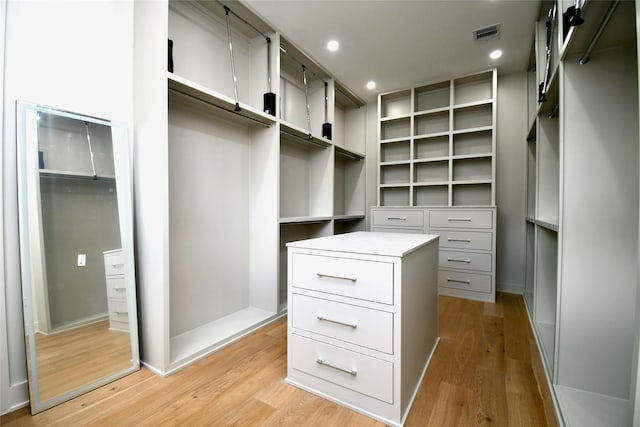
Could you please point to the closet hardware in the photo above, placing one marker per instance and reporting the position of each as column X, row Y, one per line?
column 309, row 138
column 350, row 279
column 353, row 372
column 306, row 99
column 551, row 20
column 121, row 312
column 398, row 218
column 449, row 239
column 233, row 66
column 269, row 98
column 347, row 153
column 466, row 261
column 338, row 322
column 326, row 126
column 466, row 282
column 554, row 112
column 93, row 164
column 459, row 219
column 603, row 24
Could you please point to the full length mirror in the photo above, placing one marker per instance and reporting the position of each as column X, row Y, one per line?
column 76, row 244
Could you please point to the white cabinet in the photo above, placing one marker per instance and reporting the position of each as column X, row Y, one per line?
column 581, row 284
column 354, row 302
column 224, row 182
column 467, row 259
column 116, row 290
column 437, row 143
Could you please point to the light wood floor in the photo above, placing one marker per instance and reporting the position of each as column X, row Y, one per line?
column 72, row 359
column 486, row 371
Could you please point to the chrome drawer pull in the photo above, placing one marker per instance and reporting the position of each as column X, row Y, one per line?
column 120, row 289
column 466, row 282
column 351, row 279
column 117, row 265
column 449, row 239
column 351, row 325
column 398, row 218
column 352, row 371
column 121, row 312
column 468, row 261
column 459, row 219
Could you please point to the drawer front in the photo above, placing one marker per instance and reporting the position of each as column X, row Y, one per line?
column 116, row 288
column 363, row 374
column 366, row 280
column 398, row 218
column 350, row 323
column 465, row 260
column 465, row 281
column 476, row 240
column 458, row 218
column 118, row 311
column 114, row 264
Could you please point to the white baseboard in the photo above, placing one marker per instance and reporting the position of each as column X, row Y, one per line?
column 510, row 288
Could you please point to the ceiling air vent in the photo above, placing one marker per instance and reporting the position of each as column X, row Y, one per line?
column 491, row 32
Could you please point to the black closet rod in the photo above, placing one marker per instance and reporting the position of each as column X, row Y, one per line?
column 598, row 33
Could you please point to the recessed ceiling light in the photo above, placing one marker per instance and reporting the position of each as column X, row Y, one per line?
column 333, row 45
column 371, row 85
column 495, row 54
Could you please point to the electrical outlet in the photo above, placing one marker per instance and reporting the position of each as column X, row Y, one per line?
column 82, row 260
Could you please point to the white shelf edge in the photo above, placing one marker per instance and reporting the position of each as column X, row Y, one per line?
column 431, row 111
column 472, row 130
column 431, row 184
column 395, row 118
column 304, row 219
column 211, row 97
column 348, row 217
column 471, row 181
column 394, row 140
column 549, row 224
column 432, row 159
column 395, row 163
column 403, row 185
column 479, row 103
column 472, row 156
column 298, row 132
column 431, row 135
column 346, row 152
column 61, row 173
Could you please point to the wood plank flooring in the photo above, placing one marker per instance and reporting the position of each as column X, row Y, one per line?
column 486, row 371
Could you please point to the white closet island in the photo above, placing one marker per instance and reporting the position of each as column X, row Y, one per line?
column 363, row 319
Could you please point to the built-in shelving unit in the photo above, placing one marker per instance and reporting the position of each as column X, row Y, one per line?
column 225, row 180
column 437, row 143
column 582, row 211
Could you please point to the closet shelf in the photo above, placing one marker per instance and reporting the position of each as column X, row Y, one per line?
column 208, row 96
column 430, row 183
column 549, row 224
column 473, row 104
column 402, row 185
column 431, row 159
column 432, row 135
column 431, row 111
column 471, row 182
column 349, row 153
column 394, row 163
column 472, row 156
column 552, row 94
column 394, row 118
column 471, row 130
column 304, row 219
column 302, row 135
column 52, row 173
column 348, row 217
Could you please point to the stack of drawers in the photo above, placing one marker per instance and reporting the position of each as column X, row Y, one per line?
column 116, row 290
column 467, row 244
column 354, row 301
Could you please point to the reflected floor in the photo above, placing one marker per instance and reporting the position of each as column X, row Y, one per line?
column 72, row 359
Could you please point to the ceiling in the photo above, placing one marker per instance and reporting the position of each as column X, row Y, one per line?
column 399, row 43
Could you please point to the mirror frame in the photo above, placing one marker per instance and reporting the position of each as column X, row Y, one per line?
column 27, row 169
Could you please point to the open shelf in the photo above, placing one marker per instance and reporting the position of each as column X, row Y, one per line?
column 396, row 128
column 395, row 151
column 431, row 123
column 394, row 196
column 472, row 117
column 395, row 174
column 478, row 87
column 431, row 195
column 479, row 142
column 348, row 183
column 432, row 97
column 395, row 104
column 430, row 148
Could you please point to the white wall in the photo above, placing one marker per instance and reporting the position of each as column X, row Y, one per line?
column 69, row 54
column 510, row 178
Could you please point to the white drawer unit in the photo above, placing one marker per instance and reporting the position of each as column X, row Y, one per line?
column 467, row 246
column 351, row 300
column 398, row 218
column 116, row 290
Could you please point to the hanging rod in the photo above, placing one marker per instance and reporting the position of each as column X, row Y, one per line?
column 599, row 31
column 554, row 112
column 210, row 104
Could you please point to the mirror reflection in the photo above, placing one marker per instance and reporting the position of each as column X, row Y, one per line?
column 77, row 253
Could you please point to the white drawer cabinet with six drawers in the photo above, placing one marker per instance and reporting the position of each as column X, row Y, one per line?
column 467, row 244
column 116, row 290
column 363, row 319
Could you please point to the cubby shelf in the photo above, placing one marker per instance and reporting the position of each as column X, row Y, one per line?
column 448, row 140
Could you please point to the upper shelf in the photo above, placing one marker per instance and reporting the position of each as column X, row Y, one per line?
column 208, row 96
